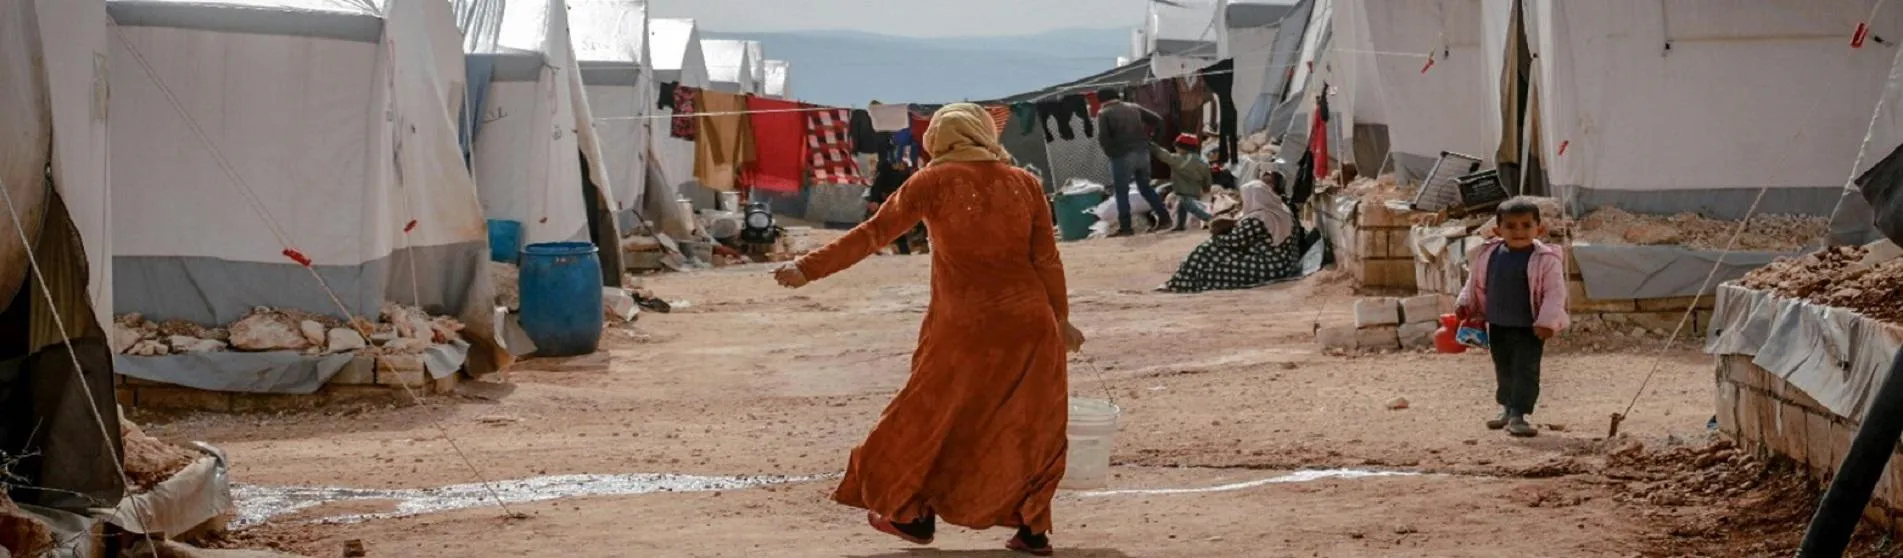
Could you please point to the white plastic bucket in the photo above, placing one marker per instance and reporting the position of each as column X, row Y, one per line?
column 1092, row 428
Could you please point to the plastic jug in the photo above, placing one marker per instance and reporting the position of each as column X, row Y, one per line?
column 1444, row 337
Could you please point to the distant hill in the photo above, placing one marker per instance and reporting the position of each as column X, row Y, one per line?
column 849, row 68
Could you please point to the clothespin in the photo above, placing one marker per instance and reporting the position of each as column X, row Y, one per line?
column 1562, row 146
column 1429, row 64
column 1857, row 37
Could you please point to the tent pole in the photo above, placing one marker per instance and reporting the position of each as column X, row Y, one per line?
column 1843, row 504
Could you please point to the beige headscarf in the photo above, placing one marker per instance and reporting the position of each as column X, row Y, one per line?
column 1260, row 203
column 963, row 132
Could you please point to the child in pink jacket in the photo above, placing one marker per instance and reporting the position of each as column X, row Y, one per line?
column 1518, row 285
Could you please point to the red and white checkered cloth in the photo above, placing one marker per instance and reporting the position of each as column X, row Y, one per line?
column 829, row 145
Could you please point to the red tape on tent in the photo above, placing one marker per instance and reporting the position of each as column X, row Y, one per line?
column 297, row 256
column 1863, row 32
column 1562, row 146
column 409, row 227
column 1429, row 64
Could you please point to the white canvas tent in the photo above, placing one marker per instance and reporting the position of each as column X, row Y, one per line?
column 537, row 159
column 678, row 58
column 1424, row 109
column 756, row 60
column 729, row 66
column 54, row 177
column 1879, row 168
column 1184, row 36
column 1250, row 40
column 1694, row 105
column 610, row 38
column 777, row 74
column 246, row 139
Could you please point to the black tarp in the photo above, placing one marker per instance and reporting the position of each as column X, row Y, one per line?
column 1882, row 188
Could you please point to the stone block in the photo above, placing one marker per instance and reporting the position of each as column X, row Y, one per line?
column 275, row 402
column 361, row 370
column 1822, row 452
column 1794, row 429
column 1377, row 338
column 1727, row 409
column 126, row 396
column 364, row 395
column 1417, row 336
column 1678, row 304
column 1377, row 311
column 1398, row 273
column 1789, row 392
column 183, row 399
column 402, row 370
column 1420, row 309
column 1371, row 243
column 1770, row 425
column 1749, row 433
column 1576, row 301
column 1375, row 214
column 1739, row 370
column 1401, row 243
column 1336, row 337
column 445, row 385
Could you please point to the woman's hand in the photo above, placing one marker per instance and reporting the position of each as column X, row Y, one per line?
column 790, row 276
column 1073, row 338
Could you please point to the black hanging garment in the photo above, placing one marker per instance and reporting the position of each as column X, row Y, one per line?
column 1221, row 79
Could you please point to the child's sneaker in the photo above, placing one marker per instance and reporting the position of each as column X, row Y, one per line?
column 1501, row 421
column 1519, row 428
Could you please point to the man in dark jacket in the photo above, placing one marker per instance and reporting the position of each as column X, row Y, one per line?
column 1123, row 130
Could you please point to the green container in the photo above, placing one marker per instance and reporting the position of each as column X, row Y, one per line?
column 1073, row 214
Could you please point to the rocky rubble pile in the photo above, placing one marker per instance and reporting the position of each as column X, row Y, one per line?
column 1762, row 233
column 148, row 460
column 399, row 330
column 1836, row 276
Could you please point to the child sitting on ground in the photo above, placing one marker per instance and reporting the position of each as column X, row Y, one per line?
column 1189, row 178
column 1518, row 286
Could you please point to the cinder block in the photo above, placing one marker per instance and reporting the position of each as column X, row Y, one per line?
column 1377, row 311
column 1418, row 336
column 1770, row 426
column 1401, row 243
column 1789, row 392
column 402, row 370
column 1375, row 214
column 1823, row 449
column 1576, row 301
column 361, row 370
column 1371, row 243
column 445, row 385
column 183, row 399
column 1420, row 309
column 364, row 395
column 1749, row 431
column 1336, row 337
column 1398, row 273
column 1377, row 338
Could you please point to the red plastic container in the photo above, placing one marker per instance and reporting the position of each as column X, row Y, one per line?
column 1444, row 337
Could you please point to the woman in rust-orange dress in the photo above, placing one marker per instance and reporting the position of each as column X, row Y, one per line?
column 977, row 435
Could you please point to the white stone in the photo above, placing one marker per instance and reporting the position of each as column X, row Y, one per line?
column 189, row 344
column 1379, row 311
column 1420, row 309
column 313, row 332
column 343, row 339
column 445, row 328
column 264, row 331
column 406, row 345
column 1416, row 336
column 123, row 338
column 618, row 304
column 149, row 347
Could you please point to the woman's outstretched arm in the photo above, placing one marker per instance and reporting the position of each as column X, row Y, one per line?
column 895, row 217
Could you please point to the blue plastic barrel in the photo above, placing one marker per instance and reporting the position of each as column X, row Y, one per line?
column 504, row 237
column 561, row 298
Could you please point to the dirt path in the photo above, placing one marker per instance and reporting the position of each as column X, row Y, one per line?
column 1219, row 389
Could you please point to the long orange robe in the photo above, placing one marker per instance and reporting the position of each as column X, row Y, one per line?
column 977, row 435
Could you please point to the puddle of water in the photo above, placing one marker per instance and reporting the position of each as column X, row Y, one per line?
column 258, row 504
column 1295, row 477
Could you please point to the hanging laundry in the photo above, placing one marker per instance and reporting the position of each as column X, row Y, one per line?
column 865, row 139
column 1096, row 104
column 1192, row 93
column 683, row 123
column 1318, row 133
column 1060, row 111
column 1221, row 79
column 829, row 145
column 666, row 99
column 903, row 146
column 1078, row 156
column 1023, row 137
column 889, row 118
column 921, row 123
column 1159, row 97
column 724, row 141
column 1000, row 116
column 779, row 137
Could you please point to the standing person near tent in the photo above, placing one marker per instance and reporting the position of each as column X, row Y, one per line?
column 891, row 175
column 1263, row 246
column 1189, row 178
column 977, row 435
column 1518, row 286
column 1123, row 130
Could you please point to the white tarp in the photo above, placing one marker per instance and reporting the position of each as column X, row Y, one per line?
column 1834, row 355
column 676, row 49
column 536, row 127
column 231, row 146
column 610, row 38
column 777, row 73
column 1853, row 220
column 1185, row 36
column 1694, row 105
column 756, row 60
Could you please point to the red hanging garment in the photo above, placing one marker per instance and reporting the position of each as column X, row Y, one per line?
column 779, row 139
column 1318, row 134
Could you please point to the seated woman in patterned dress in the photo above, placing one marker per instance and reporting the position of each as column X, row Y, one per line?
column 1264, row 246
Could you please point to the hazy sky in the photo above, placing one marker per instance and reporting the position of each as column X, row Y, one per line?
column 911, row 18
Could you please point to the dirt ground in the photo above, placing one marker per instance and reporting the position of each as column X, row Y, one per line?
column 1218, row 389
